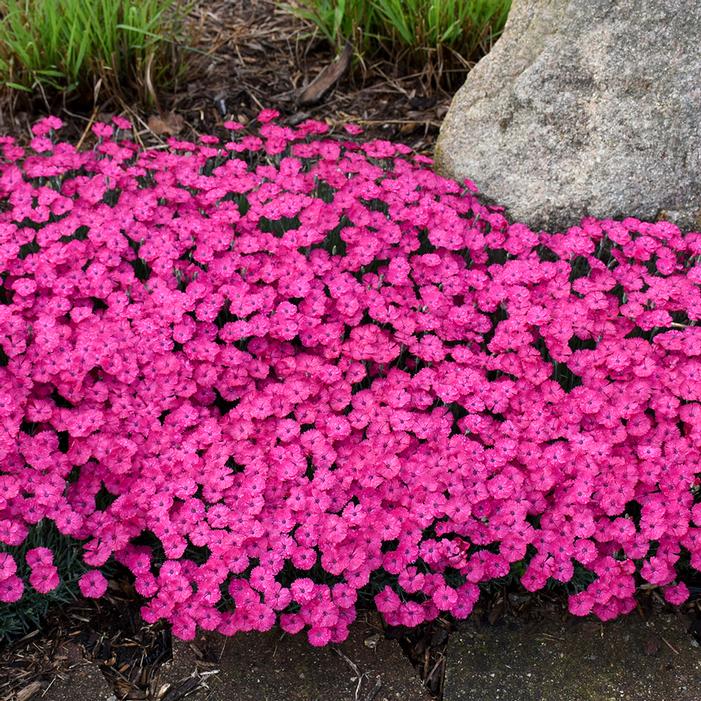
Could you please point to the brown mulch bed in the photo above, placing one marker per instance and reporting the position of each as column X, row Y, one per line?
column 109, row 632
column 265, row 58
column 250, row 55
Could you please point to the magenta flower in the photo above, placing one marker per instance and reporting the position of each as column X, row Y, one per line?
column 93, row 584
column 11, row 589
column 44, row 578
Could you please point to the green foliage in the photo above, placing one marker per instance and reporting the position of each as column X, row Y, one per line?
column 339, row 20
column 28, row 613
column 433, row 33
column 120, row 47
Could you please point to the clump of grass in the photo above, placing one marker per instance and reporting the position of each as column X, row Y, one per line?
column 339, row 21
column 82, row 48
column 435, row 36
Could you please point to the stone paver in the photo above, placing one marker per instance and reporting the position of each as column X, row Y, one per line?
column 79, row 680
column 276, row 667
column 575, row 660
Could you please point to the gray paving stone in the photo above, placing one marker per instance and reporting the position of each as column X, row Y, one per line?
column 276, row 667
column 78, row 680
column 571, row 659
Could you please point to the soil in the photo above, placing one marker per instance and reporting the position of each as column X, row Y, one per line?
column 103, row 651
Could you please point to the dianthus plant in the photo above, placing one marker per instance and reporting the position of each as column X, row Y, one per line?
column 262, row 370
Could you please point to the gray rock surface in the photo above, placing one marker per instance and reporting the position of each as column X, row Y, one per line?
column 585, row 107
column 561, row 658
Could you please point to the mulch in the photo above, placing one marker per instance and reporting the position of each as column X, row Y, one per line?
column 129, row 652
column 265, row 58
column 110, row 633
column 249, row 55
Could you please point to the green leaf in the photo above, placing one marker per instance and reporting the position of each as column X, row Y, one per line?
column 17, row 86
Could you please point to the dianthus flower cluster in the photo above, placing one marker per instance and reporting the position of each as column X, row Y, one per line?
column 264, row 371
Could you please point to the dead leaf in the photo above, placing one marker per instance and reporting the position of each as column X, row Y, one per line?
column 328, row 77
column 372, row 641
column 28, row 691
column 496, row 612
column 166, row 125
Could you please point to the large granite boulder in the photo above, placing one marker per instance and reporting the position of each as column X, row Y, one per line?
column 585, row 107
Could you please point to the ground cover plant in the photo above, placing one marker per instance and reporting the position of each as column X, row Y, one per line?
column 269, row 373
column 434, row 36
column 81, row 48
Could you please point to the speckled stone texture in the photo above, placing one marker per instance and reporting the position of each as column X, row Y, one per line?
column 276, row 667
column 564, row 658
column 585, row 107
column 77, row 680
